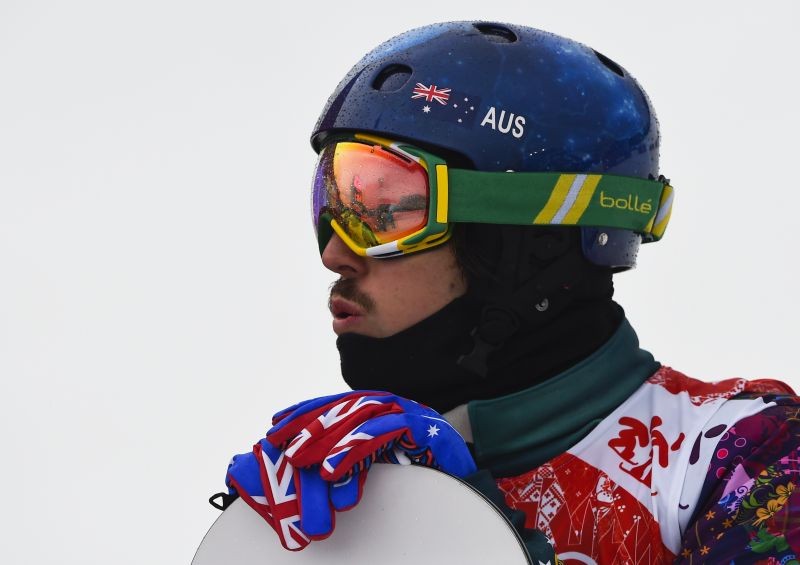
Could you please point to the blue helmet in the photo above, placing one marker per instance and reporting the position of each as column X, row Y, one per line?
column 505, row 97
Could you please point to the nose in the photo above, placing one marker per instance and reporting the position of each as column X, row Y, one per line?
column 340, row 259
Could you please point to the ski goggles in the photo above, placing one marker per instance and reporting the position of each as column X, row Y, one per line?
column 386, row 198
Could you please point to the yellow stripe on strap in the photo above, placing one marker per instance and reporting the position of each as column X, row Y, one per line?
column 583, row 199
column 442, row 189
column 557, row 197
column 664, row 212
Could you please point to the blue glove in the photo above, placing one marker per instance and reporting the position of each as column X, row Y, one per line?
column 314, row 460
column 345, row 433
column 297, row 503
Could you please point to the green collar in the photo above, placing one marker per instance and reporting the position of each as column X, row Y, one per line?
column 518, row 432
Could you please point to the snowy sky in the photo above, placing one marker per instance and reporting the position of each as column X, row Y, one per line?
column 160, row 288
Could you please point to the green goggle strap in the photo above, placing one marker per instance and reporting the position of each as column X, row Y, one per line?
column 595, row 200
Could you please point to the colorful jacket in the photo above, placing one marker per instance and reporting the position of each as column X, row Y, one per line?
column 622, row 460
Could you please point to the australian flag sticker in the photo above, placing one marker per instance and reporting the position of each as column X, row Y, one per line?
column 443, row 103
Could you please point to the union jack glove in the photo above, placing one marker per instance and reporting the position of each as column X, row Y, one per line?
column 297, row 503
column 345, row 433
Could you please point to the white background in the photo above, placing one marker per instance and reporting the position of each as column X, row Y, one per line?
column 160, row 288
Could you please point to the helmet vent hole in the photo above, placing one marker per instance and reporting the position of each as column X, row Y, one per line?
column 611, row 65
column 496, row 33
column 392, row 78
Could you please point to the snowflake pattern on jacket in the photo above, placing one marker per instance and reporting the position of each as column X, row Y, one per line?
column 683, row 471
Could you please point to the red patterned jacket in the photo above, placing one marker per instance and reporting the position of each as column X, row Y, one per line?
column 681, row 470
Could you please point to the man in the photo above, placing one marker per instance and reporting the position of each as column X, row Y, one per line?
column 477, row 187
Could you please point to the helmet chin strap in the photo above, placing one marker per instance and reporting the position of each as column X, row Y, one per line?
column 512, row 306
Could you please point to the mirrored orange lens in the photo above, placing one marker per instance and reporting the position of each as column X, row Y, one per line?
column 375, row 195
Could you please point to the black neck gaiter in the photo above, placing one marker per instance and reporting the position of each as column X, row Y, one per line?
column 421, row 362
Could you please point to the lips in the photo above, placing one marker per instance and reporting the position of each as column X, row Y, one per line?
column 343, row 309
column 346, row 316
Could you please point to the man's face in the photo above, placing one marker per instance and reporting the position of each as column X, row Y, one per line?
column 381, row 297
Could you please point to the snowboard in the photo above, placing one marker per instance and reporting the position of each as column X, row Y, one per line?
column 408, row 514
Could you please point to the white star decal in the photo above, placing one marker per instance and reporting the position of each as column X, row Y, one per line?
column 426, row 109
column 433, row 431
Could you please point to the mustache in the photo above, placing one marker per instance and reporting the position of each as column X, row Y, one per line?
column 348, row 289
